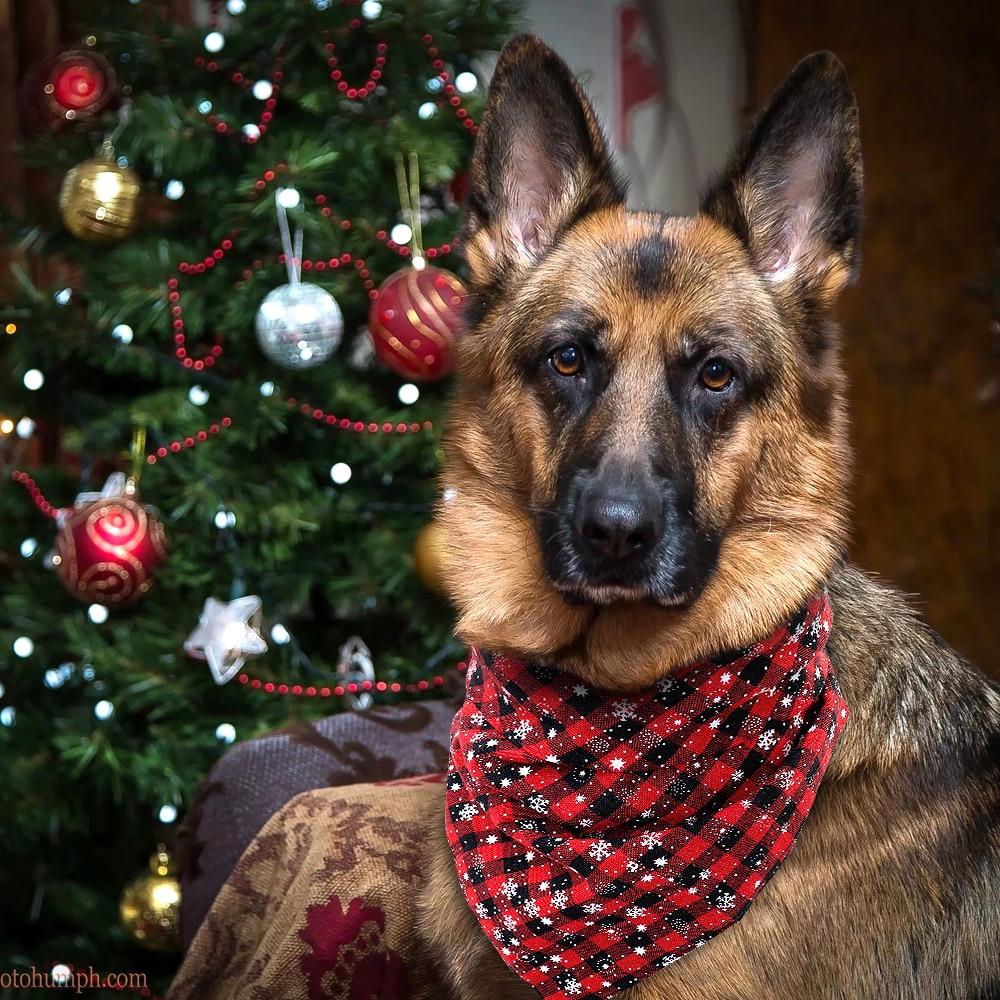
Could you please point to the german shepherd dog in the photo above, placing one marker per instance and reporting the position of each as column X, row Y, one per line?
column 648, row 463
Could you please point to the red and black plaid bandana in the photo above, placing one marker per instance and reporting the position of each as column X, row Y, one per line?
column 599, row 837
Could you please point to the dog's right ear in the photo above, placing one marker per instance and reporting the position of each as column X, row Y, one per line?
column 541, row 162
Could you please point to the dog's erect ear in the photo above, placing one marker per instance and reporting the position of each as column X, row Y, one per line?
column 541, row 162
column 792, row 191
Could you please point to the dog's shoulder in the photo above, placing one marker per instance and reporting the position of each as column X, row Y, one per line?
column 916, row 778
column 914, row 698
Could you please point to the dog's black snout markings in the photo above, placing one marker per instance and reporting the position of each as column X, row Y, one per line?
column 615, row 521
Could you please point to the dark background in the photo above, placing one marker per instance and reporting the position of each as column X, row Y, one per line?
column 921, row 328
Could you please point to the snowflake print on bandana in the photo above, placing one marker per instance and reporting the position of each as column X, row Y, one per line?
column 599, row 838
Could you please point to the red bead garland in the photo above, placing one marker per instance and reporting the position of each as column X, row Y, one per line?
column 337, row 75
column 264, row 119
column 449, row 92
column 181, row 444
column 449, row 89
column 180, row 335
column 339, row 690
column 37, row 496
column 358, row 426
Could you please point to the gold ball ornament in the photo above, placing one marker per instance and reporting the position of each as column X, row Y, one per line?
column 430, row 557
column 150, row 907
column 99, row 201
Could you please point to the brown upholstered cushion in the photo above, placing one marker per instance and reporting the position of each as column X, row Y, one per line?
column 321, row 903
column 255, row 779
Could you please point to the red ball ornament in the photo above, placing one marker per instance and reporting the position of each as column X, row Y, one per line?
column 107, row 549
column 415, row 320
column 78, row 84
column 458, row 186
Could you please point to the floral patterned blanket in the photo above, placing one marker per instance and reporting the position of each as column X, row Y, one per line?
column 320, row 905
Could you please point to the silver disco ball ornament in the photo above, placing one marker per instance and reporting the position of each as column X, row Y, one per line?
column 299, row 325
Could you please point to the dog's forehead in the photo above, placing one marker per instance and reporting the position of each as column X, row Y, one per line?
column 636, row 271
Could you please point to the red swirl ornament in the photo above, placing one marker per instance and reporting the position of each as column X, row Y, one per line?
column 415, row 320
column 107, row 549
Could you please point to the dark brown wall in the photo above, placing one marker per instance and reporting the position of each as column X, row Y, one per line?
column 919, row 347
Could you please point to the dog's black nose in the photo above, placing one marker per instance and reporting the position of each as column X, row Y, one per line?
column 618, row 522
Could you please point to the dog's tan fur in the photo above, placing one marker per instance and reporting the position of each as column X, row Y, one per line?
column 891, row 890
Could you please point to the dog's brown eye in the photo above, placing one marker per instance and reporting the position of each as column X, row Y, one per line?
column 567, row 360
column 716, row 375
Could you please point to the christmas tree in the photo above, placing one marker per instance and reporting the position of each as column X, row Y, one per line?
column 176, row 166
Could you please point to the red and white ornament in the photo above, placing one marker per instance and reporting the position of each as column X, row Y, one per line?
column 109, row 546
column 415, row 320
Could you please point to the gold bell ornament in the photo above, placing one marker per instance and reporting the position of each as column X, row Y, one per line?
column 150, row 907
column 99, row 200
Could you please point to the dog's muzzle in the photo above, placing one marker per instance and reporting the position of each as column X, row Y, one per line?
column 624, row 534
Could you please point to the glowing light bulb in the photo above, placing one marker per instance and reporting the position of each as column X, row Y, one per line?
column 174, row 189
column 167, row 813
column 224, row 519
column 23, row 647
column 204, row 106
column 435, row 84
column 6, row 425
column 8, row 716
column 198, row 395
column 57, row 676
column 280, row 634
column 262, row 90
column 251, row 132
column 63, row 296
column 371, row 9
column 289, row 198
column 408, row 393
column 122, row 333
column 401, row 233
column 25, row 427
column 427, row 110
column 340, row 473
column 225, row 732
column 104, row 709
column 215, row 41
column 33, row 379
column 164, row 894
column 29, row 546
column 466, row 82
column 235, row 7
column 267, row 388
column 97, row 613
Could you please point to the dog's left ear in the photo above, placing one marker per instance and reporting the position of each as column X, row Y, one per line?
column 541, row 162
column 792, row 191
